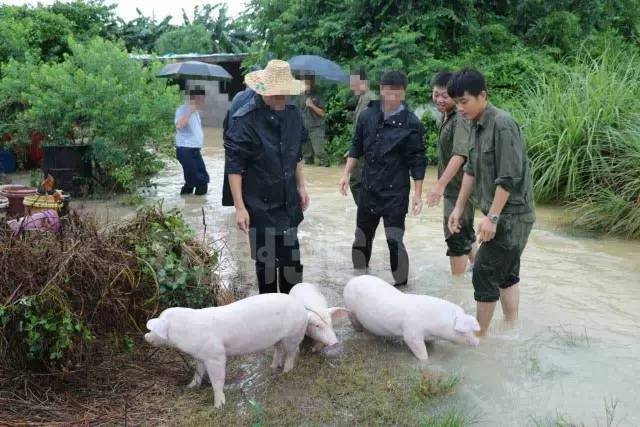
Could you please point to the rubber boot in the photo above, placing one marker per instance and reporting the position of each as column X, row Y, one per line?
column 201, row 190
column 289, row 276
column 186, row 189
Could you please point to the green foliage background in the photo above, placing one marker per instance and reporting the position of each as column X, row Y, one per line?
column 539, row 57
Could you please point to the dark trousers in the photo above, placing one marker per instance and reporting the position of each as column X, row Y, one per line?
column 277, row 259
column 195, row 172
column 367, row 223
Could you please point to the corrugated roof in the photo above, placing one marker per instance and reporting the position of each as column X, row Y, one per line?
column 204, row 57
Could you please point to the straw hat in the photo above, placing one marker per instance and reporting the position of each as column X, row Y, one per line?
column 275, row 79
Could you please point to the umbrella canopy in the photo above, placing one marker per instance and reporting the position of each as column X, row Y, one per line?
column 318, row 66
column 194, row 70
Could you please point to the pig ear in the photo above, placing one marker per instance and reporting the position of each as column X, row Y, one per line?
column 158, row 327
column 338, row 313
column 466, row 323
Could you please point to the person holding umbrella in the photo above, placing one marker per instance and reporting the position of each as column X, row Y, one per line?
column 189, row 142
column 263, row 158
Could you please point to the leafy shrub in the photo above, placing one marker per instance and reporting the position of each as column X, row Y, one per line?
column 126, row 113
column 89, row 282
column 496, row 38
column 44, row 34
column 560, row 30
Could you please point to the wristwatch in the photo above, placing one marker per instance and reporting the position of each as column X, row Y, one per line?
column 493, row 218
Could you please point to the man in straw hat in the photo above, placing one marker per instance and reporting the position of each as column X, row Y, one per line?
column 263, row 148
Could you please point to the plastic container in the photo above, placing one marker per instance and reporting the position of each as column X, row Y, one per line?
column 41, row 202
column 4, row 205
column 16, row 195
column 70, row 166
column 7, row 161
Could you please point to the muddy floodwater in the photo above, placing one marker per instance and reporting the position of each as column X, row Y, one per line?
column 575, row 352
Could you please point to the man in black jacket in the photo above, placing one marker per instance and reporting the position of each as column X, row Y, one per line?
column 263, row 155
column 390, row 138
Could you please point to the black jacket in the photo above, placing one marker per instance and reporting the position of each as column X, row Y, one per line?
column 393, row 150
column 265, row 147
column 238, row 101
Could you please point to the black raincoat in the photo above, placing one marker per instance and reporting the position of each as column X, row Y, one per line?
column 393, row 151
column 265, row 146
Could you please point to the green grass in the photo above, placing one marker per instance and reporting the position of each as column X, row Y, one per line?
column 583, row 134
column 353, row 390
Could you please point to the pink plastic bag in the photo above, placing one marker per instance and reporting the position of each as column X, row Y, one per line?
column 40, row 221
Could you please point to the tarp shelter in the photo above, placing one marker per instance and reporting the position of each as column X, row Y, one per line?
column 219, row 94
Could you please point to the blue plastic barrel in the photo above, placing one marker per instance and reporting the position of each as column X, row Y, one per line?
column 7, row 161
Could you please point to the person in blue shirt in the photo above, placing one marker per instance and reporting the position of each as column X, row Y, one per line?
column 189, row 141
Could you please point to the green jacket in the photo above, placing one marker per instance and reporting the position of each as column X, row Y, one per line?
column 453, row 139
column 363, row 102
column 311, row 119
column 498, row 156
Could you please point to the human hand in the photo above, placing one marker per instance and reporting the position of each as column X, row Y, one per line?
column 242, row 219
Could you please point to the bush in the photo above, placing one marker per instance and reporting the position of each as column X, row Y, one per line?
column 44, row 35
column 124, row 111
column 560, row 30
column 90, row 282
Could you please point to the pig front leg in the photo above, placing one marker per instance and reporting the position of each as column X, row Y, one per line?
column 355, row 322
column 416, row 345
column 201, row 369
column 216, row 370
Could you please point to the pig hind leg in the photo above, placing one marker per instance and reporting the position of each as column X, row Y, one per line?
column 291, row 347
column 278, row 356
column 216, row 369
column 201, row 372
column 355, row 322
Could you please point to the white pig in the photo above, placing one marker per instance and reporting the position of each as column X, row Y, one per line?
column 383, row 310
column 321, row 317
column 247, row 326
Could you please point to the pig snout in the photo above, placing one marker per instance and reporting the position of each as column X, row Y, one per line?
column 334, row 350
column 153, row 339
column 472, row 339
column 323, row 334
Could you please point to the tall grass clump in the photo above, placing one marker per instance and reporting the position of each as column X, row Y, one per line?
column 583, row 134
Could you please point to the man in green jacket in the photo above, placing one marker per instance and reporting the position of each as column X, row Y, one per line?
column 312, row 105
column 453, row 151
column 499, row 167
column 359, row 84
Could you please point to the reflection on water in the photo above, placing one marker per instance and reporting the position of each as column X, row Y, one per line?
column 578, row 342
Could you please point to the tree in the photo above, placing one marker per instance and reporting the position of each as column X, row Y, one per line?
column 226, row 35
column 89, row 18
column 186, row 39
column 141, row 33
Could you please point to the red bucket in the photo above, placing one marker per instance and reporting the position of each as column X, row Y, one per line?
column 16, row 195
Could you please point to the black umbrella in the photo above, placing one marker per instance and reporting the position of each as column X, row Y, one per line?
column 194, row 70
column 318, row 66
